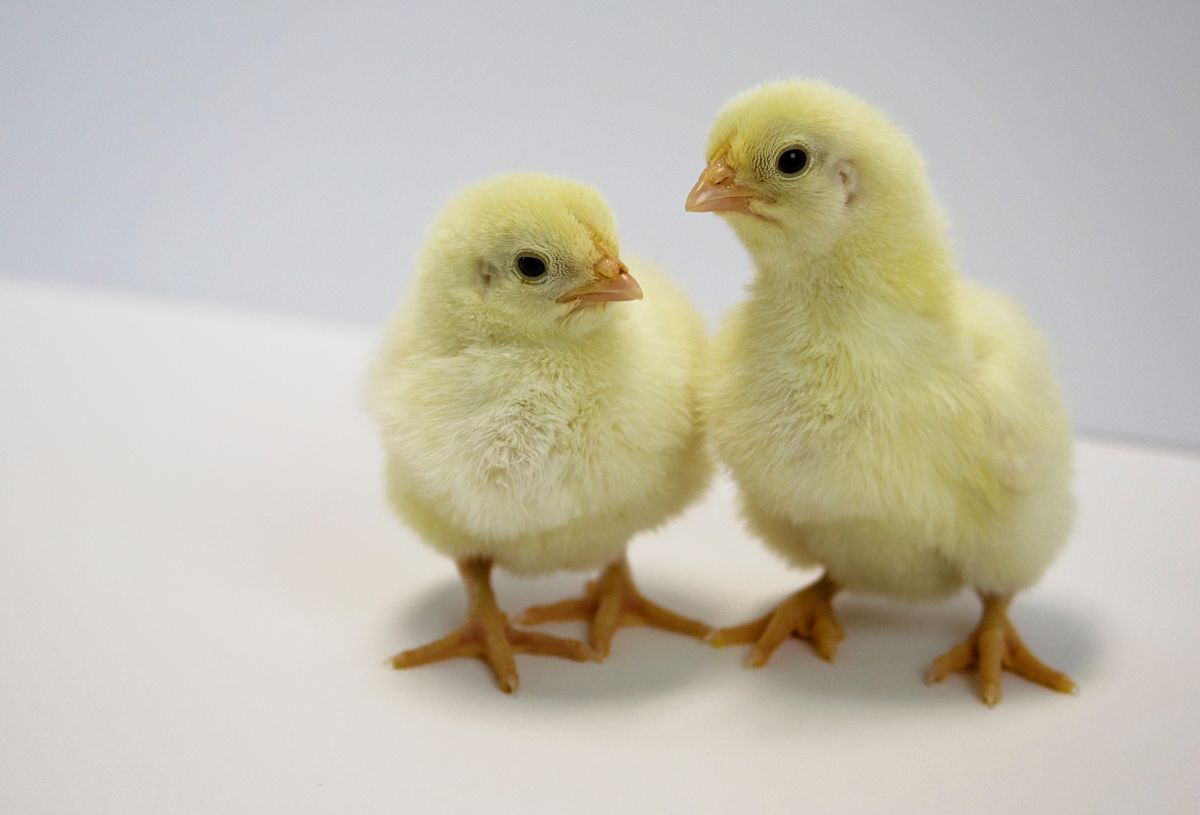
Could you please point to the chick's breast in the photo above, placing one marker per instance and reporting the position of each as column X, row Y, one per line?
column 816, row 430
column 551, row 455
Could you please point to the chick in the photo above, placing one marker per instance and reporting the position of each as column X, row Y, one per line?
column 883, row 418
column 534, row 418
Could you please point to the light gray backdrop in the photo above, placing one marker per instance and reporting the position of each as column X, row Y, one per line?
column 288, row 156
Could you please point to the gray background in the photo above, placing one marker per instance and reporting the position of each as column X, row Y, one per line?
column 289, row 157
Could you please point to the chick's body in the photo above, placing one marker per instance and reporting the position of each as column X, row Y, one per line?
column 533, row 420
column 884, row 419
column 546, row 454
column 906, row 457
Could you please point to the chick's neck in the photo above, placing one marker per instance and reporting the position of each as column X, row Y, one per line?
column 909, row 269
column 463, row 321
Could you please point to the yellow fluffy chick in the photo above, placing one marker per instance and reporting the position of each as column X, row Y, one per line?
column 533, row 416
column 884, row 419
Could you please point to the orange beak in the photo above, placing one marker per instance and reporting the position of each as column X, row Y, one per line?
column 715, row 191
column 612, row 283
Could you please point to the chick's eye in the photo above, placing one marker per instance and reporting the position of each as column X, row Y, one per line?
column 792, row 161
column 531, row 267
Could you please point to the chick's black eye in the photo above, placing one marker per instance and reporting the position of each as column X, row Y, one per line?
column 792, row 161
column 531, row 267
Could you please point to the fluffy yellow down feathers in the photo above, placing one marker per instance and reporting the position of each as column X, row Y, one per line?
column 883, row 418
column 531, row 417
column 512, row 432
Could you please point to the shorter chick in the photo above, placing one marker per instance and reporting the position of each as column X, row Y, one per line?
column 529, row 424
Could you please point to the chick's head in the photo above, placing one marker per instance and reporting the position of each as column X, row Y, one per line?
column 524, row 254
column 796, row 165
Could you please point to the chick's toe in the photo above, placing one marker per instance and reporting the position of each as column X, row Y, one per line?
column 807, row 614
column 993, row 646
column 611, row 602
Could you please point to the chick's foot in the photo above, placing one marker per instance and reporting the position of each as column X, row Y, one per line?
column 807, row 614
column 487, row 634
column 992, row 646
column 610, row 602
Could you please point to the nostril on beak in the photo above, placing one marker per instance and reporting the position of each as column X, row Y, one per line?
column 609, row 268
column 718, row 173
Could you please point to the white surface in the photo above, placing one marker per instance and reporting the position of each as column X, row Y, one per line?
column 290, row 155
column 199, row 583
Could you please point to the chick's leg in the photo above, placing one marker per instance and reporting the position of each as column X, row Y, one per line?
column 807, row 614
column 487, row 634
column 610, row 602
column 992, row 646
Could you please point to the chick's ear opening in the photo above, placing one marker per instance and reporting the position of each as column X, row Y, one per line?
column 486, row 273
column 847, row 174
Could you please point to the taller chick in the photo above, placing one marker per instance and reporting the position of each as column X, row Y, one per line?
column 534, row 415
column 883, row 418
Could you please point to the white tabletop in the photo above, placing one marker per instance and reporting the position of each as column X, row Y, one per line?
column 199, row 584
